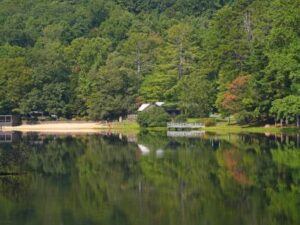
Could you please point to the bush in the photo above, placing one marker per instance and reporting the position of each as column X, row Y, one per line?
column 210, row 122
column 180, row 118
column 244, row 117
column 155, row 117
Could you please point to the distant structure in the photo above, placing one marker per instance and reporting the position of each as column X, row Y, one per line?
column 171, row 110
column 9, row 120
column 146, row 106
column 132, row 117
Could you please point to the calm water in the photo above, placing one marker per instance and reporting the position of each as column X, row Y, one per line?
column 150, row 179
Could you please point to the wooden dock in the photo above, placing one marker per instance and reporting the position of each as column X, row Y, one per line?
column 185, row 125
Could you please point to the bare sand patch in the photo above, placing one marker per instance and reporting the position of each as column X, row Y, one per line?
column 60, row 127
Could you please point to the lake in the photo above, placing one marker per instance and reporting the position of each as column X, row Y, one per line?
column 175, row 178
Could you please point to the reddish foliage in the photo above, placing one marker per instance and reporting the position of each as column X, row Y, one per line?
column 228, row 97
column 232, row 99
column 236, row 173
column 239, row 83
column 228, row 101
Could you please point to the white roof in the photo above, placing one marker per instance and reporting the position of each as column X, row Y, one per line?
column 159, row 103
column 143, row 107
column 146, row 105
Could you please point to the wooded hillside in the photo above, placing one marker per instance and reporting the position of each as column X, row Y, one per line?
column 102, row 58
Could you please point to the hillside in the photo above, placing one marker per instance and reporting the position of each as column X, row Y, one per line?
column 101, row 59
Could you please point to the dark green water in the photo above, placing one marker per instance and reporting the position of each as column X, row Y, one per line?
column 150, row 179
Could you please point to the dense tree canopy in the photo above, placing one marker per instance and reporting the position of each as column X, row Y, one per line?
column 101, row 59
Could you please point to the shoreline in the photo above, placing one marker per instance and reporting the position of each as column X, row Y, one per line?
column 258, row 130
column 62, row 127
column 125, row 126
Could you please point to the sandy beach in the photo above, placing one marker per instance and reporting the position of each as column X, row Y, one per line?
column 59, row 127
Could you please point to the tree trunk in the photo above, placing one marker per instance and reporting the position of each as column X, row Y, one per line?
column 281, row 122
column 286, row 122
column 180, row 65
column 298, row 121
column 248, row 26
column 139, row 63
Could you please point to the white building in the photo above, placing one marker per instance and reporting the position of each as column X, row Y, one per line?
column 146, row 106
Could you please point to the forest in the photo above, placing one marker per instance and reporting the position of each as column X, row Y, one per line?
column 101, row 59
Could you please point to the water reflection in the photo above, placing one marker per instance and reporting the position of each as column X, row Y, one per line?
column 150, row 178
column 8, row 137
column 185, row 133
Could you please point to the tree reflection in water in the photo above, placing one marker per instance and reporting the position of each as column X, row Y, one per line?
column 96, row 179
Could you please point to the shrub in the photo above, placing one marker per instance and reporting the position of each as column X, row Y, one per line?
column 180, row 118
column 155, row 117
column 244, row 117
column 210, row 122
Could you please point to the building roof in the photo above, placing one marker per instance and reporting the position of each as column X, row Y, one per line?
column 159, row 103
column 143, row 107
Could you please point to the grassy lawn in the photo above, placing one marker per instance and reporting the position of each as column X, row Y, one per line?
column 240, row 129
column 132, row 126
column 126, row 125
column 223, row 127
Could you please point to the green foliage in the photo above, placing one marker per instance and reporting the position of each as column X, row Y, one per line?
column 101, row 59
column 244, row 117
column 238, row 100
column 180, row 118
column 287, row 108
column 117, row 25
column 114, row 90
column 15, row 81
column 84, row 58
column 154, row 117
column 210, row 122
column 186, row 7
column 196, row 96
